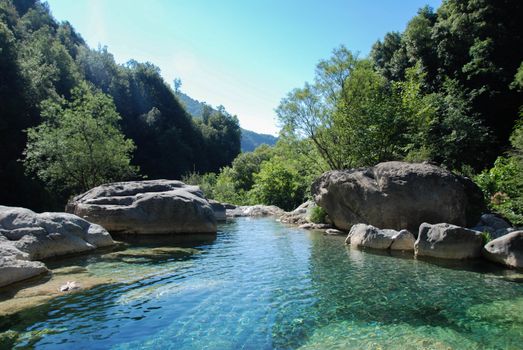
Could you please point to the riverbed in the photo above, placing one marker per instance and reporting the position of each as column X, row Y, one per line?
column 260, row 284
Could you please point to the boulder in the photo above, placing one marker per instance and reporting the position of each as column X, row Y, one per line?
column 219, row 210
column 398, row 195
column 448, row 241
column 403, row 240
column 41, row 236
column 368, row 236
column 299, row 215
column 146, row 207
column 507, row 250
column 494, row 225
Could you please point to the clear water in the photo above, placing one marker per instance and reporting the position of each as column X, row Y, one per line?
column 263, row 285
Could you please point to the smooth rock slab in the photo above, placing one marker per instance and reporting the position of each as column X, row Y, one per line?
column 146, row 207
column 398, row 195
column 14, row 270
column 507, row 250
column 45, row 235
column 26, row 236
column 446, row 241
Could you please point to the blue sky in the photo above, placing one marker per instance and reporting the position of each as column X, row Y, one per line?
column 243, row 54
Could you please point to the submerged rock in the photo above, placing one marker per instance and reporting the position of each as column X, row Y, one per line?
column 398, row 195
column 146, row 207
column 507, row 250
column 448, row 241
column 368, row 236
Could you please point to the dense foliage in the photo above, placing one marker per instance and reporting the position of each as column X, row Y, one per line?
column 446, row 90
column 43, row 60
column 78, row 144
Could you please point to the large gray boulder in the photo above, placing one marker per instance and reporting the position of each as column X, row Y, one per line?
column 368, row 236
column 398, row 195
column 26, row 236
column 45, row 235
column 146, row 207
column 507, row 250
column 446, row 241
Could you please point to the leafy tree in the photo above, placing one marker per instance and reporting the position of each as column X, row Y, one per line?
column 247, row 164
column 278, row 184
column 78, row 145
column 221, row 133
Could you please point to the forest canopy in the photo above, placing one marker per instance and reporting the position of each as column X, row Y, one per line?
column 44, row 65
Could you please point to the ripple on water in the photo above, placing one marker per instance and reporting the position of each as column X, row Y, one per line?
column 263, row 285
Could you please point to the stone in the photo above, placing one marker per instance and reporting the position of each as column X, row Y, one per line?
column 26, row 236
column 446, row 241
column 46, row 235
column 313, row 226
column 403, row 240
column 219, row 210
column 146, row 207
column 368, row 236
column 13, row 270
column 299, row 215
column 494, row 221
column 334, row 232
column 255, row 211
column 70, row 286
column 398, row 195
column 494, row 225
column 507, row 250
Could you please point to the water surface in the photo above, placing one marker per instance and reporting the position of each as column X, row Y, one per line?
column 263, row 285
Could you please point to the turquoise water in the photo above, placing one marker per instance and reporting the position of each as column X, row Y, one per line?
column 263, row 285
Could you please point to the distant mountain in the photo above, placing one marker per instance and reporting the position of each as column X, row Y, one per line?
column 250, row 139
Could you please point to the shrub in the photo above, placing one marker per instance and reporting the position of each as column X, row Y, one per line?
column 317, row 215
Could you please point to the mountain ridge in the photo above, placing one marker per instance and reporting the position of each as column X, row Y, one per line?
column 249, row 139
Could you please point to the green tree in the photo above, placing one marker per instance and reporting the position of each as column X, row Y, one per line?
column 78, row 145
column 247, row 164
column 280, row 184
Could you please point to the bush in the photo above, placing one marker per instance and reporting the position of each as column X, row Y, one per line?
column 206, row 182
column 502, row 187
column 317, row 215
column 486, row 237
column 278, row 183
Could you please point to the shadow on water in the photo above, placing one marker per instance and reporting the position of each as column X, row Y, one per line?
column 192, row 240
